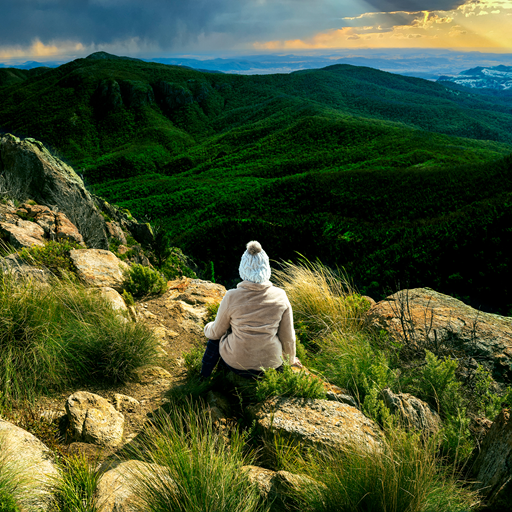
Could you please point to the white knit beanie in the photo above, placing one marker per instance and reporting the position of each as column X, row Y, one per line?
column 254, row 266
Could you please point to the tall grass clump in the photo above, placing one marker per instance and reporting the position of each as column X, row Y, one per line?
column 57, row 335
column 402, row 476
column 196, row 469
column 74, row 490
column 321, row 298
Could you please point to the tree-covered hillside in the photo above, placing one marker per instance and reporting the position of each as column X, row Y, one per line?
column 398, row 179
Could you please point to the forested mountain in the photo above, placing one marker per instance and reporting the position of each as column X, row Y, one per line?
column 400, row 180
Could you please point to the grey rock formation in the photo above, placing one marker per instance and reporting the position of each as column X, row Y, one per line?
column 29, row 171
column 94, row 420
column 318, row 422
column 493, row 466
column 422, row 317
column 173, row 96
column 413, row 412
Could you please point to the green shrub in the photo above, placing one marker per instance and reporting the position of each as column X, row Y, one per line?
column 175, row 267
column 212, row 312
column 143, row 281
column 193, row 359
column 74, row 490
column 206, row 471
column 53, row 255
column 128, row 298
column 63, row 335
column 288, row 383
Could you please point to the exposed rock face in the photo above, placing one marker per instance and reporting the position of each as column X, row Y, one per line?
column 136, row 94
column 94, row 420
column 29, row 171
column 26, row 452
column 414, row 413
column 493, row 466
column 107, row 96
column 423, row 316
column 320, row 422
column 99, row 268
column 115, row 231
column 113, row 297
column 116, row 490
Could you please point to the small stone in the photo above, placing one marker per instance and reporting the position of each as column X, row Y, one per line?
column 125, row 403
column 148, row 374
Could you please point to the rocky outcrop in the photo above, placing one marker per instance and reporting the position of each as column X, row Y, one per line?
column 22, row 234
column 107, row 96
column 99, row 268
column 172, row 96
column 16, row 266
column 493, row 466
column 32, row 458
column 318, row 422
column 413, row 412
column 29, row 171
column 114, row 299
column 92, row 419
column 136, row 94
column 425, row 318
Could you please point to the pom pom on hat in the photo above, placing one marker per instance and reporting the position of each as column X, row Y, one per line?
column 254, row 266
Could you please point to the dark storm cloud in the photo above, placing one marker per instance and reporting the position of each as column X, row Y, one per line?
column 174, row 23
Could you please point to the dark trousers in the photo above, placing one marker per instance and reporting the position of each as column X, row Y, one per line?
column 212, row 356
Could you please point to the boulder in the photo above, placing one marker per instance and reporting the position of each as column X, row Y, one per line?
column 117, row 488
column 32, row 458
column 93, row 419
column 66, row 230
column 195, row 292
column 22, row 234
column 318, row 422
column 493, row 466
column 275, row 486
column 125, row 403
column 413, row 412
column 28, row 170
column 99, row 268
column 422, row 317
column 114, row 298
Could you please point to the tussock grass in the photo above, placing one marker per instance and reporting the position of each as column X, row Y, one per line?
column 196, row 470
column 403, row 477
column 74, row 490
column 321, row 298
column 63, row 334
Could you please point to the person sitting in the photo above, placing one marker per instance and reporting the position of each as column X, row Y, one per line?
column 253, row 330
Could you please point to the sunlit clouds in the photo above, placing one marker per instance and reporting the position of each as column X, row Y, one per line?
column 474, row 24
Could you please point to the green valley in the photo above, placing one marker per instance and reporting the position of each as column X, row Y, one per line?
column 401, row 181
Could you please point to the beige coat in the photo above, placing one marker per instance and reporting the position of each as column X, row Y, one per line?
column 255, row 326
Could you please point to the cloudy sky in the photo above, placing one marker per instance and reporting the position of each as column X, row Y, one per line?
column 53, row 29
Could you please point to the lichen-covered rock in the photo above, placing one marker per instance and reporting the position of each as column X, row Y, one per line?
column 148, row 374
column 413, row 412
column 422, row 316
column 30, row 456
column 93, row 419
column 29, row 171
column 493, row 466
column 99, row 268
column 117, row 488
column 318, row 422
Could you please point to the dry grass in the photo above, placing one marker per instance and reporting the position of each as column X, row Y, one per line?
column 322, row 299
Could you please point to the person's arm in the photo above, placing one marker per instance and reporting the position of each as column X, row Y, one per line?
column 216, row 329
column 286, row 334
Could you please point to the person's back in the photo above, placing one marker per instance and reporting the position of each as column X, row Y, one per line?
column 253, row 329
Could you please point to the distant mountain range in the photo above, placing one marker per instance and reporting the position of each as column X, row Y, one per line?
column 496, row 77
column 394, row 178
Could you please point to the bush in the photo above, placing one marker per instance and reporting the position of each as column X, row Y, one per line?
column 205, row 469
column 54, row 256
column 289, row 383
column 62, row 335
column 143, row 281
column 175, row 265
